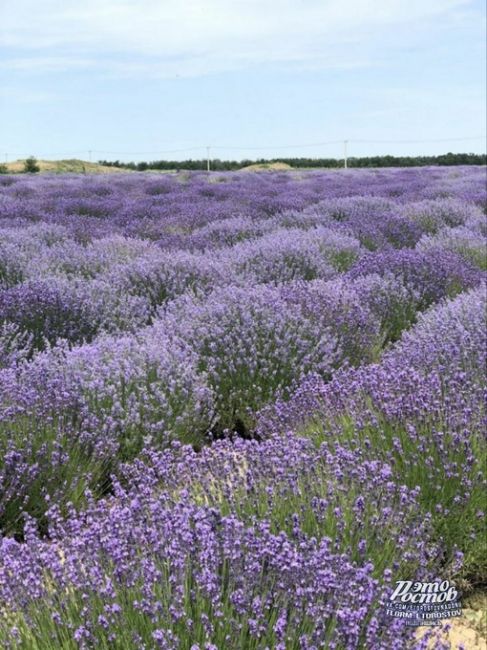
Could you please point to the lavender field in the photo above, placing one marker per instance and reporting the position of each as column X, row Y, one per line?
column 237, row 408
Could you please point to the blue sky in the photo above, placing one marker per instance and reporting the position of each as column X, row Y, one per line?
column 144, row 79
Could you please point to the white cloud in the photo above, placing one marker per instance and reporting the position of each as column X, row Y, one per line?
column 193, row 37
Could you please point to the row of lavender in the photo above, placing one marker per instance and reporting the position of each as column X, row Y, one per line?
column 183, row 326
column 291, row 542
column 85, row 255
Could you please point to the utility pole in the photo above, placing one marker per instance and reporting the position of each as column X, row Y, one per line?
column 345, row 161
column 207, row 159
column 89, row 155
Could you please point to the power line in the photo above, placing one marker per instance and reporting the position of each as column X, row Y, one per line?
column 59, row 153
column 475, row 137
column 292, row 146
column 148, row 153
column 100, row 151
column 283, row 146
column 275, row 147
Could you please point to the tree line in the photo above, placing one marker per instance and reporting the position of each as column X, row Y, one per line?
column 299, row 163
column 449, row 159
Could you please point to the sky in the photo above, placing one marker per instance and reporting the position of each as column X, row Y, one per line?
column 164, row 79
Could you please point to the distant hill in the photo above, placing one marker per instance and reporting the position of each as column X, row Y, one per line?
column 269, row 167
column 72, row 165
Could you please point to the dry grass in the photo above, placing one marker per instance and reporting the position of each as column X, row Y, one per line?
column 267, row 167
column 73, row 166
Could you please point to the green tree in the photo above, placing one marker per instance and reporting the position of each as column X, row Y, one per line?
column 31, row 166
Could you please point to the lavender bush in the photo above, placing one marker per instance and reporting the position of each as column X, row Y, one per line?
column 158, row 569
column 464, row 241
column 421, row 409
column 251, row 344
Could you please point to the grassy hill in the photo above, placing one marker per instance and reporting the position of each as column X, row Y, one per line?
column 76, row 166
column 270, row 167
column 72, row 165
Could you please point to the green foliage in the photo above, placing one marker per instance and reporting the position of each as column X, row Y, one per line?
column 455, row 522
column 31, row 166
column 47, row 634
column 216, row 164
column 3, row 168
column 64, row 470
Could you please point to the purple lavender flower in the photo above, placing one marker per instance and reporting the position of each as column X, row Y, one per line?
column 315, row 339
